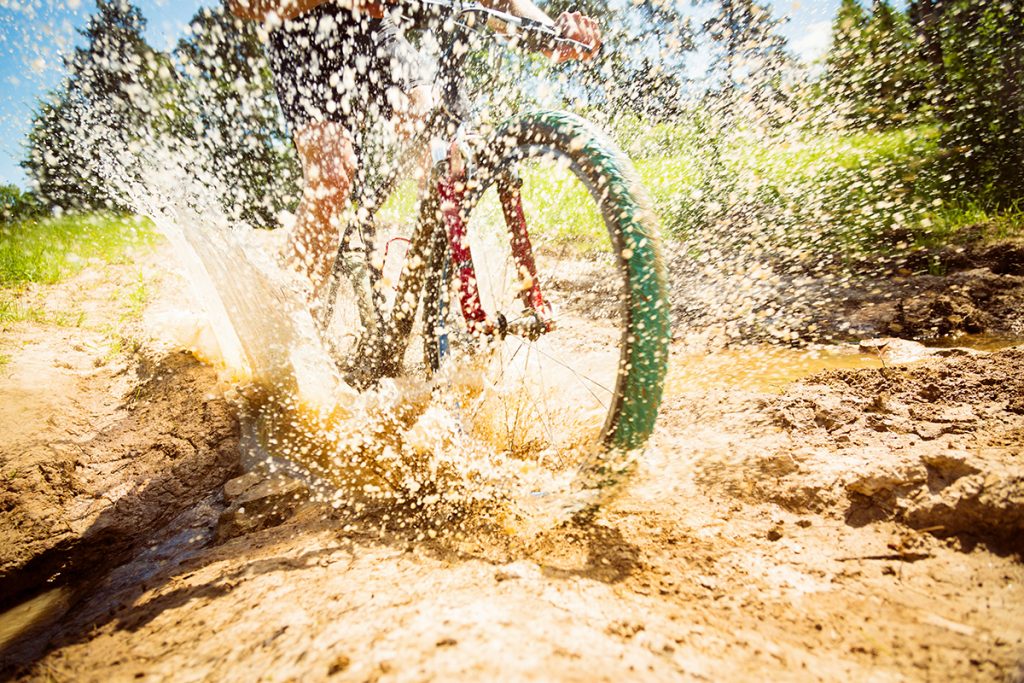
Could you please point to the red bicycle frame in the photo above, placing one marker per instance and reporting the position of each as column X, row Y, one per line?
column 451, row 190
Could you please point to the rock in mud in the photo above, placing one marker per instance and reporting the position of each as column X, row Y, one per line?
column 932, row 445
column 991, row 502
column 982, row 291
column 258, row 500
column 896, row 351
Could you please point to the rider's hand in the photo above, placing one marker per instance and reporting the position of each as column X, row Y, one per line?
column 372, row 8
column 581, row 28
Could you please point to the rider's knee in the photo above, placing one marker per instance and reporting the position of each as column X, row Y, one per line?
column 421, row 101
column 411, row 109
column 328, row 159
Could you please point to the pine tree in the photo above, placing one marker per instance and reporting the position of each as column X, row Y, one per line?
column 892, row 78
column 86, row 131
column 978, row 92
column 750, row 60
column 231, row 112
column 844, row 64
column 925, row 17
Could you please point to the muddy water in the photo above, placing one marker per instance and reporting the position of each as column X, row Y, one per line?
column 759, row 368
column 34, row 615
column 770, row 369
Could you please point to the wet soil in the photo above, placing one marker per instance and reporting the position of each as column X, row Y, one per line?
column 856, row 524
column 931, row 295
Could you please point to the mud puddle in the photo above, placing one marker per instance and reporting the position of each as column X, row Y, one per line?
column 825, row 513
column 759, row 368
column 34, row 615
column 771, row 368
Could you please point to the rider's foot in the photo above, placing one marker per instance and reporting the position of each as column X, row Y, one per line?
column 365, row 364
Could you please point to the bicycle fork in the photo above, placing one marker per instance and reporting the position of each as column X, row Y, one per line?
column 537, row 318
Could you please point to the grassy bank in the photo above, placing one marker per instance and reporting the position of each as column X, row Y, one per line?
column 849, row 198
column 49, row 250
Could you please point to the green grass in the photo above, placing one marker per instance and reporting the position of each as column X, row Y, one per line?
column 12, row 310
column 48, row 250
column 836, row 198
column 132, row 302
column 841, row 197
column 971, row 220
column 558, row 207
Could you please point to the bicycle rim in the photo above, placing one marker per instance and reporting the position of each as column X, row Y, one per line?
column 594, row 380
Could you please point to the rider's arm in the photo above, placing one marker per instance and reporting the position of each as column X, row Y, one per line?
column 571, row 25
column 259, row 10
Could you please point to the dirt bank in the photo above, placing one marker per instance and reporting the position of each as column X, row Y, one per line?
column 937, row 446
column 859, row 525
column 103, row 441
column 931, row 295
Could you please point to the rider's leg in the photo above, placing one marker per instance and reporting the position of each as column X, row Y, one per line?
column 410, row 115
column 328, row 167
column 411, row 110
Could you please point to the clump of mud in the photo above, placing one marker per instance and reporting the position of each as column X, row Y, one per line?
column 938, row 446
column 974, row 288
column 83, row 501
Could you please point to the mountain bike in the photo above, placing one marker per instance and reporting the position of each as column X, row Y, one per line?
column 534, row 267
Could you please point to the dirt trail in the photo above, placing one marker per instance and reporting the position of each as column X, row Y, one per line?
column 862, row 524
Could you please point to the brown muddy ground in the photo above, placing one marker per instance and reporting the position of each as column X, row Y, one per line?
column 932, row 295
column 861, row 524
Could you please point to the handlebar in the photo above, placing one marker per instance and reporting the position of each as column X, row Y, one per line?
column 535, row 35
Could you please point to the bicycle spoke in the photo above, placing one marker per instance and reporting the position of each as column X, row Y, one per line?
column 582, row 378
column 535, row 401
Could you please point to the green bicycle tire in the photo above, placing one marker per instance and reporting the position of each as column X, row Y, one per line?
column 634, row 234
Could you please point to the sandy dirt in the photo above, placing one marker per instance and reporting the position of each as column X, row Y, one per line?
column 857, row 525
column 975, row 288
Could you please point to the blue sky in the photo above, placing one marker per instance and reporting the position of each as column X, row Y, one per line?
column 34, row 33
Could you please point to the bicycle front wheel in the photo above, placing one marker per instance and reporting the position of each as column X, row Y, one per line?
column 565, row 262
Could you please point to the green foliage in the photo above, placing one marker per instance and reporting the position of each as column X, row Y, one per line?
column 16, row 205
column 981, row 81
column 957, row 63
column 750, row 62
column 873, row 73
column 230, row 112
column 971, row 220
column 113, row 96
column 817, row 198
column 846, row 58
column 47, row 250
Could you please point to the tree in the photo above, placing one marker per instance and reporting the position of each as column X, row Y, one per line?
column 231, row 115
column 55, row 163
column 925, row 17
column 844, row 64
column 978, row 91
column 15, row 204
column 874, row 74
column 893, row 79
column 750, row 60
column 960, row 62
column 82, row 135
